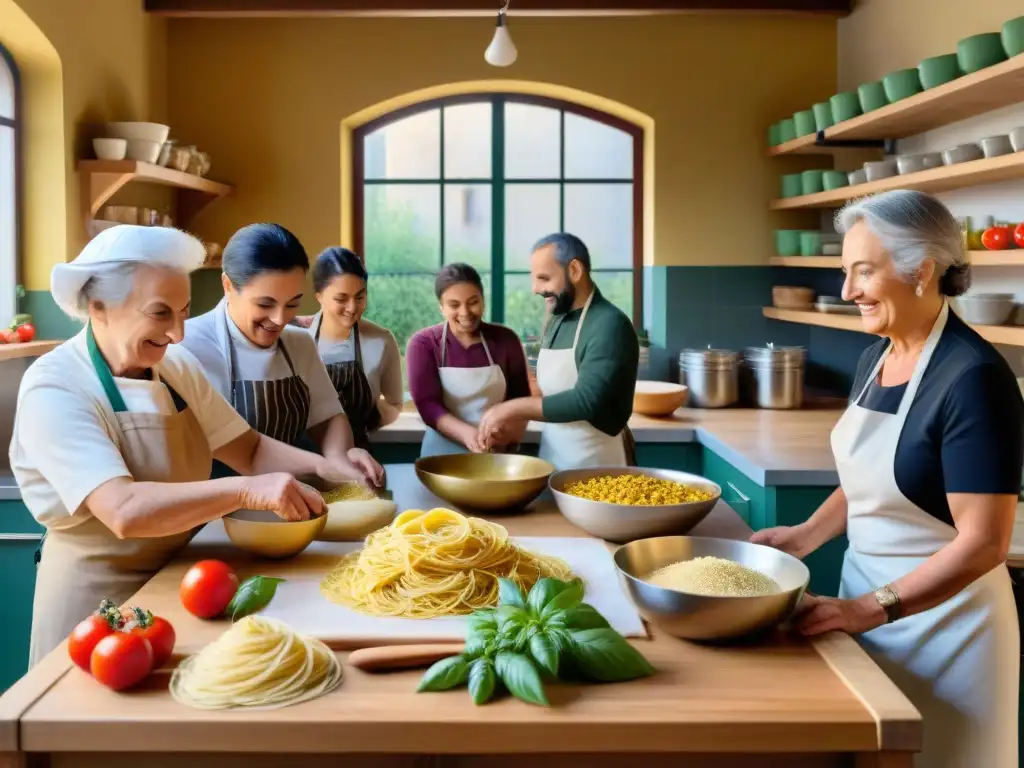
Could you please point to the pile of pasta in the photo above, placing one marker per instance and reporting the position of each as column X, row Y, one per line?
column 259, row 663
column 434, row 563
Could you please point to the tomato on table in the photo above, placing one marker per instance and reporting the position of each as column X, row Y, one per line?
column 88, row 632
column 25, row 332
column 207, row 588
column 121, row 660
column 157, row 630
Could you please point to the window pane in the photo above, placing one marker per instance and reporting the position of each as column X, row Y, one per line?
column 8, row 230
column 594, row 150
column 531, row 212
column 467, row 141
column 617, row 287
column 6, row 90
column 467, row 224
column 532, row 142
column 401, row 227
column 602, row 216
column 409, row 148
column 524, row 310
column 403, row 304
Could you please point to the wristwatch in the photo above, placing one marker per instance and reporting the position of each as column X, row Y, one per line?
column 890, row 602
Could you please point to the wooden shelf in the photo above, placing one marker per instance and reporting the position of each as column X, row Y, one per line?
column 991, row 88
column 996, row 334
column 26, row 349
column 101, row 179
column 974, row 173
column 1013, row 257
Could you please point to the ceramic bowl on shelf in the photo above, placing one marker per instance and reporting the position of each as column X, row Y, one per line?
column 985, row 309
column 858, row 176
column 845, row 106
column 823, row 115
column 901, row 84
column 812, row 182
column 938, row 70
column 144, row 151
column 141, row 131
column 834, row 180
column 1013, row 36
column 876, row 170
column 787, row 242
column 872, row 96
column 792, row 297
column 919, row 162
column 996, row 146
column 787, row 130
column 110, row 149
column 804, row 122
column 979, row 51
column 1017, row 139
column 964, row 153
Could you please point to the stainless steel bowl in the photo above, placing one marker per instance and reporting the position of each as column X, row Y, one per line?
column 484, row 481
column 700, row 617
column 625, row 522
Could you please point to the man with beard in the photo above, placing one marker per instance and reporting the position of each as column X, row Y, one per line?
column 586, row 370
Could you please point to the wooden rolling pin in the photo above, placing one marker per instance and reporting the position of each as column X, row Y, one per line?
column 387, row 657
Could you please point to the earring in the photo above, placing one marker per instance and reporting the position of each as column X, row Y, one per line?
column 919, row 290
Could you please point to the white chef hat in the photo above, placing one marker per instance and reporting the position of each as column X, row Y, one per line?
column 114, row 248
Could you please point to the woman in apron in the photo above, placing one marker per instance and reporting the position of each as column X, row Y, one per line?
column 460, row 368
column 361, row 358
column 115, row 430
column 269, row 371
column 929, row 455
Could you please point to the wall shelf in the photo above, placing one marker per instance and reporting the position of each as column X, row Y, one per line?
column 991, row 88
column 101, row 179
column 1013, row 257
column 986, row 171
column 996, row 334
column 26, row 349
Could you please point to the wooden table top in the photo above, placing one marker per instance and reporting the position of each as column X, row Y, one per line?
column 701, row 699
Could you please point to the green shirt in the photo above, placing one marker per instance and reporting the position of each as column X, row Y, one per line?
column 607, row 357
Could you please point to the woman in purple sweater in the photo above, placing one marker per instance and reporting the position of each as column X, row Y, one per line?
column 460, row 368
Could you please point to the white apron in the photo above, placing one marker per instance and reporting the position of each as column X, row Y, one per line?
column 467, row 394
column 575, row 444
column 958, row 662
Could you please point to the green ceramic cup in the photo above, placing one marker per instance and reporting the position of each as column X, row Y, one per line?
column 787, row 130
column 872, row 96
column 774, row 134
column 834, row 180
column 787, row 242
column 804, row 122
column 810, row 243
column 845, row 106
column 979, row 51
column 1013, row 36
column 823, row 116
column 938, row 70
column 901, row 84
column 792, row 185
column 812, row 182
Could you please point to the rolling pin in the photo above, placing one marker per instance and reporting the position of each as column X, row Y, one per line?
column 388, row 657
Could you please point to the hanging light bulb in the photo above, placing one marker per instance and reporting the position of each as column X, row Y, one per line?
column 502, row 51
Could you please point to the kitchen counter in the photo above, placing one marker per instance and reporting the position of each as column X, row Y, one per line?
column 783, row 702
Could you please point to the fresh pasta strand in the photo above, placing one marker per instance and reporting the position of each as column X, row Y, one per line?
column 259, row 663
column 436, row 563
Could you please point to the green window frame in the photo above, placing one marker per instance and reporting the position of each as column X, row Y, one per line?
column 496, row 295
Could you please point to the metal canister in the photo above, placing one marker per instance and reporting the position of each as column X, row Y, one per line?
column 712, row 376
column 774, row 376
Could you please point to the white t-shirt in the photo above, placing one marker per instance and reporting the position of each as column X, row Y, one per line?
column 206, row 338
column 66, row 443
column 382, row 362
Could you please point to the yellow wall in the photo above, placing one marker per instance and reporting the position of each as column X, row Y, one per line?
column 266, row 97
column 885, row 35
column 112, row 66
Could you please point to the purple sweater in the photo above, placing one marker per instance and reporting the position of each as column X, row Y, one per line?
column 423, row 358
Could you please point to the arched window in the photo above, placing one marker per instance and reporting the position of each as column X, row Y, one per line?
column 478, row 179
column 9, row 103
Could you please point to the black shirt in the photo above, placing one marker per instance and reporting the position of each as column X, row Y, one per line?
column 964, row 432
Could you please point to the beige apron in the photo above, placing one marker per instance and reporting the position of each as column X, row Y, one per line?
column 86, row 563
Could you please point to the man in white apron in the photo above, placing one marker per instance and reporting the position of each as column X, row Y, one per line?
column 586, row 369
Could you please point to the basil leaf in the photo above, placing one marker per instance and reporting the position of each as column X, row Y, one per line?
column 583, row 616
column 542, row 593
column 605, row 655
column 521, row 678
column 477, row 642
column 545, row 652
column 252, row 595
column 567, row 598
column 482, row 680
column 483, row 620
column 510, row 615
column 445, row 674
column 509, row 593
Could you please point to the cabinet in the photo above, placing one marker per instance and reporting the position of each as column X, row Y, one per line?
column 19, row 539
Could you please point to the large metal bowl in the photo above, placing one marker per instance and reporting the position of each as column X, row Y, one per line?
column 700, row 617
column 263, row 533
column 484, row 481
column 624, row 522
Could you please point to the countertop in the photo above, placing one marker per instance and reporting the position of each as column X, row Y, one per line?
column 785, row 694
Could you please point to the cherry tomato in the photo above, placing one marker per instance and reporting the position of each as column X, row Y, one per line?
column 1018, row 235
column 207, row 588
column 85, row 636
column 26, row 332
column 121, row 659
column 996, row 238
column 158, row 631
column 7, row 336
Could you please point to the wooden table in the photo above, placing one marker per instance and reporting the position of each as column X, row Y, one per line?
column 785, row 702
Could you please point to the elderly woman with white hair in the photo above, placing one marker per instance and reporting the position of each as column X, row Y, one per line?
column 929, row 454
column 116, row 428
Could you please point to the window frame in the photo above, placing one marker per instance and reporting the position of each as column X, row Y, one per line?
column 498, row 99
column 7, row 60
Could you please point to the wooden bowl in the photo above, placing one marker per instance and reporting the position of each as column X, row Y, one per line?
column 658, row 398
column 792, row 297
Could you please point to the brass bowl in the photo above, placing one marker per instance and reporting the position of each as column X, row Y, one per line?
column 484, row 481
column 263, row 533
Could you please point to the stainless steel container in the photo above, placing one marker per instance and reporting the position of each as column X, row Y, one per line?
column 774, row 376
column 712, row 376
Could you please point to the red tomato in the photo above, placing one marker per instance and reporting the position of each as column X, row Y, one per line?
column 121, row 659
column 996, row 238
column 85, row 636
column 7, row 336
column 207, row 588
column 1018, row 235
column 26, row 332
column 158, row 631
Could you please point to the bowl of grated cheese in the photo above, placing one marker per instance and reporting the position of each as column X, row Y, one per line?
column 702, row 588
